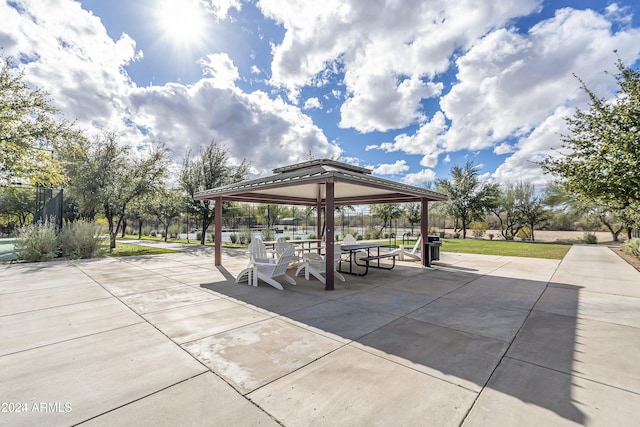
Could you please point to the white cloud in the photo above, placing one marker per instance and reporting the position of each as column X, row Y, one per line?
column 267, row 132
column 425, row 141
column 530, row 150
column 504, row 148
column 396, row 168
column 221, row 8
column 73, row 58
column 420, row 178
column 67, row 52
column 509, row 83
column 389, row 50
column 221, row 68
column 312, row 103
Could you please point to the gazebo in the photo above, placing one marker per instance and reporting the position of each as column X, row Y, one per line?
column 322, row 183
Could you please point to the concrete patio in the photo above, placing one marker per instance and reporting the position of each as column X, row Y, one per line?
column 171, row 340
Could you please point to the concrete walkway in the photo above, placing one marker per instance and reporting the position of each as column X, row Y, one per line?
column 171, row 340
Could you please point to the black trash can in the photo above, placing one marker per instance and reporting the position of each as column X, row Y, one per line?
column 434, row 247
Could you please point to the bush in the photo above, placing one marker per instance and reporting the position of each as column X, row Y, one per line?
column 80, row 239
column 174, row 231
column 358, row 236
column 479, row 228
column 37, row 242
column 245, row 236
column 312, row 236
column 233, row 237
column 268, row 234
column 590, row 238
column 456, row 235
column 524, row 233
column 631, row 247
column 491, row 236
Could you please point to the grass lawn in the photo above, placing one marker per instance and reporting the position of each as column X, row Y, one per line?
column 502, row 247
column 190, row 242
column 126, row 249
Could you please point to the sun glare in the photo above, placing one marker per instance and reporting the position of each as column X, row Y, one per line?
column 182, row 22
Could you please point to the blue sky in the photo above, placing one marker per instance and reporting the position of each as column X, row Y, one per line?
column 407, row 88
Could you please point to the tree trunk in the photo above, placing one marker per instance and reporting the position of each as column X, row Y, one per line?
column 166, row 231
column 614, row 233
column 124, row 228
column 204, row 231
column 139, row 229
column 112, row 233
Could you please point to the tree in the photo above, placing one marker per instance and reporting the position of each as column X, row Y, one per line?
column 18, row 203
column 469, row 197
column 519, row 206
column 386, row 212
column 30, row 129
column 167, row 205
column 105, row 176
column 600, row 162
column 211, row 170
column 412, row 211
column 530, row 206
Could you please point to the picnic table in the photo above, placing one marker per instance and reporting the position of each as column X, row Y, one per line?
column 352, row 250
column 300, row 243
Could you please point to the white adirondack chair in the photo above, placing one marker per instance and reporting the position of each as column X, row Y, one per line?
column 413, row 254
column 315, row 264
column 257, row 253
column 268, row 272
column 349, row 240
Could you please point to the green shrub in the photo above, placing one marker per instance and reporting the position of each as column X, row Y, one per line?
column 491, row 236
column 245, row 236
column 268, row 234
column 37, row 242
column 312, row 236
column 631, row 247
column 590, row 238
column 80, row 239
column 456, row 235
column 524, row 233
column 233, row 237
column 479, row 228
column 174, row 231
column 358, row 236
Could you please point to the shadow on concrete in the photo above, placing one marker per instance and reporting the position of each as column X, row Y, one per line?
column 474, row 330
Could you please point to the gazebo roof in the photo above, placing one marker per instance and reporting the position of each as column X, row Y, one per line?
column 303, row 184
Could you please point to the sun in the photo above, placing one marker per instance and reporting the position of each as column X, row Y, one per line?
column 182, row 22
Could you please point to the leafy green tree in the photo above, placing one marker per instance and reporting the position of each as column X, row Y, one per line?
column 386, row 212
column 30, row 129
column 600, row 160
column 17, row 203
column 469, row 197
column 412, row 212
column 530, row 206
column 211, row 170
column 104, row 175
column 167, row 205
column 519, row 206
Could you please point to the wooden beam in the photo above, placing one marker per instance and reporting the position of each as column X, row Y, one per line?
column 217, row 232
column 424, row 230
column 329, row 211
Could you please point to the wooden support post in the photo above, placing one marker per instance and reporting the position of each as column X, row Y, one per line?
column 329, row 216
column 217, row 232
